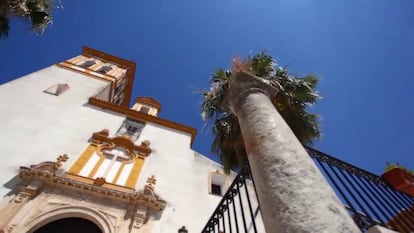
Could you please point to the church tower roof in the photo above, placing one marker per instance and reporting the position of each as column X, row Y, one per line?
column 149, row 101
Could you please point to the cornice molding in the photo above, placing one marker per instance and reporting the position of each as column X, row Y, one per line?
column 50, row 178
column 142, row 116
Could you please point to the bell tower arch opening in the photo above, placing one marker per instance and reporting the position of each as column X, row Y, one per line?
column 69, row 225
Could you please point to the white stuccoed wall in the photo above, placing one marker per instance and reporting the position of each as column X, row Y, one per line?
column 182, row 180
column 37, row 127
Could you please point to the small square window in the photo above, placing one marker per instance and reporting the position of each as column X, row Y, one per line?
column 216, row 189
column 131, row 128
column 144, row 109
column 57, row 89
column 217, row 183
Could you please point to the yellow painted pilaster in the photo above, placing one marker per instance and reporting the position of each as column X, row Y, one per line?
column 83, row 159
column 118, row 173
column 96, row 167
column 136, row 170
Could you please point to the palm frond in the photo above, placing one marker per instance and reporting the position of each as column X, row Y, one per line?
column 295, row 95
column 263, row 65
column 37, row 12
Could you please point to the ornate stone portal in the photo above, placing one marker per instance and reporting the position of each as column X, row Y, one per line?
column 47, row 193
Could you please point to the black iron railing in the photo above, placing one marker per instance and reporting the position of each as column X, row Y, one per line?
column 367, row 197
column 238, row 210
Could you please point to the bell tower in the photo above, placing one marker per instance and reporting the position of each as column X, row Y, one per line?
column 118, row 72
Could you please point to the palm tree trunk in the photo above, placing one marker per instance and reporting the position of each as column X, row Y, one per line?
column 293, row 195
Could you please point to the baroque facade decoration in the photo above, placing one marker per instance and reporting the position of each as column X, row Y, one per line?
column 46, row 185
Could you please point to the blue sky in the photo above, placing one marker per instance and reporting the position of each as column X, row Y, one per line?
column 362, row 51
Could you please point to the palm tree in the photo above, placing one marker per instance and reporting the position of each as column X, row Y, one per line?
column 4, row 20
column 295, row 95
column 259, row 114
column 37, row 12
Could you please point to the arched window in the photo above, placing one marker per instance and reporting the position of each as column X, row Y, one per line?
column 113, row 163
column 104, row 69
column 87, row 64
column 144, row 109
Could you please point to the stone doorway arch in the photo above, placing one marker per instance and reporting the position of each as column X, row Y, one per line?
column 69, row 225
column 105, row 223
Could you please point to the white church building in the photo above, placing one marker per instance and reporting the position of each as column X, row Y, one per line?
column 75, row 156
